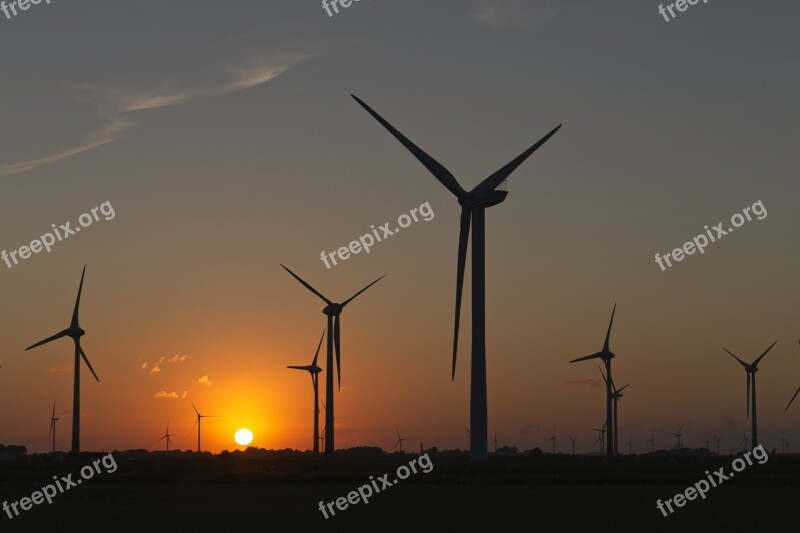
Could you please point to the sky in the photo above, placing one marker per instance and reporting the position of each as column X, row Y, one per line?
column 225, row 139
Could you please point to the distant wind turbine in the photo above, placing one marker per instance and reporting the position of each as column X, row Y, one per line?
column 75, row 332
column 198, row 422
column 783, row 443
column 553, row 438
column 678, row 435
column 314, row 371
column 630, row 445
column 573, row 444
column 53, row 420
column 399, row 442
column 601, row 436
column 617, row 394
column 717, row 439
column 332, row 310
column 167, row 437
column 606, row 355
column 708, row 446
column 652, row 441
column 751, row 370
column 495, row 442
column 744, row 440
column 473, row 211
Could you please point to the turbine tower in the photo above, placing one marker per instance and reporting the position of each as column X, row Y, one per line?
column 166, row 436
column 53, row 420
column 678, row 435
column 795, row 394
column 314, row 371
column 553, row 438
column 630, row 445
column 473, row 209
column 601, row 436
column 717, row 439
column 198, row 422
column 751, row 370
column 75, row 332
column 332, row 311
column 652, row 441
column 606, row 355
column 399, row 441
column 494, row 442
column 744, row 440
column 573, row 444
column 617, row 394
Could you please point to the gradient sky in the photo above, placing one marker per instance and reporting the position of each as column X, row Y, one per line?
column 224, row 136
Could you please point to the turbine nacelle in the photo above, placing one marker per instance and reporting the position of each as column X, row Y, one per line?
column 333, row 309
column 75, row 332
column 474, row 199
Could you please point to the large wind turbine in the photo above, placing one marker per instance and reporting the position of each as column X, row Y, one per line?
column 795, row 394
column 615, row 396
column 473, row 206
column 751, row 370
column 167, row 436
column 314, row 371
column 606, row 355
column 198, row 421
column 75, row 332
column 53, row 420
column 332, row 311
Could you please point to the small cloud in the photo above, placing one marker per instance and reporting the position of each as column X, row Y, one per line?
column 144, row 365
column 178, row 359
column 169, row 395
column 583, row 382
column 155, row 370
column 205, row 381
column 66, row 367
column 528, row 429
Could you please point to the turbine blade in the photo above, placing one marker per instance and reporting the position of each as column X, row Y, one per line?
column 434, row 167
column 74, row 322
column 463, row 239
column 740, row 361
column 353, row 297
column 608, row 334
column 790, row 401
column 493, row 181
column 337, row 346
column 623, row 388
column 307, row 286
column 602, row 374
column 195, row 408
column 314, row 362
column 86, row 360
column 765, row 353
column 48, row 339
column 586, row 358
column 748, row 395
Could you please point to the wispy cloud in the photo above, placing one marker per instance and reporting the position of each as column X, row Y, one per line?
column 503, row 13
column 116, row 104
column 169, row 395
column 205, row 381
column 103, row 136
column 156, row 368
column 583, row 382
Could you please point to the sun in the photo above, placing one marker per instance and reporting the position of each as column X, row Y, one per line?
column 243, row 437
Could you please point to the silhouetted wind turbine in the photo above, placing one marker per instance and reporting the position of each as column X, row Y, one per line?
column 717, row 439
column 553, row 438
column 75, row 332
column 495, row 442
column 53, row 420
column 399, row 441
column 332, row 311
column 751, row 370
column 573, row 444
column 606, row 355
column 198, row 422
column 167, row 436
column 314, row 371
column 708, row 446
column 744, row 440
column 617, row 394
column 630, row 445
column 652, row 441
column 473, row 206
column 601, row 436
column 795, row 394
column 783, row 443
column 678, row 435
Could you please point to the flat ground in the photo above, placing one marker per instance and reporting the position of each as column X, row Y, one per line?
column 273, row 495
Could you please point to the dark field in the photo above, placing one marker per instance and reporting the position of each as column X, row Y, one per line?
column 564, row 494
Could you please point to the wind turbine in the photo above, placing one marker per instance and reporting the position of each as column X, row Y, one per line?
column 75, row 332
column 495, row 442
column 198, row 421
column 708, row 446
column 744, row 439
column 606, row 355
column 601, row 434
column 473, row 211
column 332, row 310
column 314, row 371
column 678, row 435
column 751, row 370
column 573, row 444
column 652, row 441
column 795, row 394
column 630, row 445
column 399, row 441
column 783, row 443
column 617, row 394
column 717, row 439
column 167, row 436
column 53, row 420
column 553, row 438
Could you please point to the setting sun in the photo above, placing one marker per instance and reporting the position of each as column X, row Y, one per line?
column 243, row 437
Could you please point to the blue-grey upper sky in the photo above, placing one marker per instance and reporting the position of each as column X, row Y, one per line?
column 224, row 135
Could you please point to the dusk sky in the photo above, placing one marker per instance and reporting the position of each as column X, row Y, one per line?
column 225, row 138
